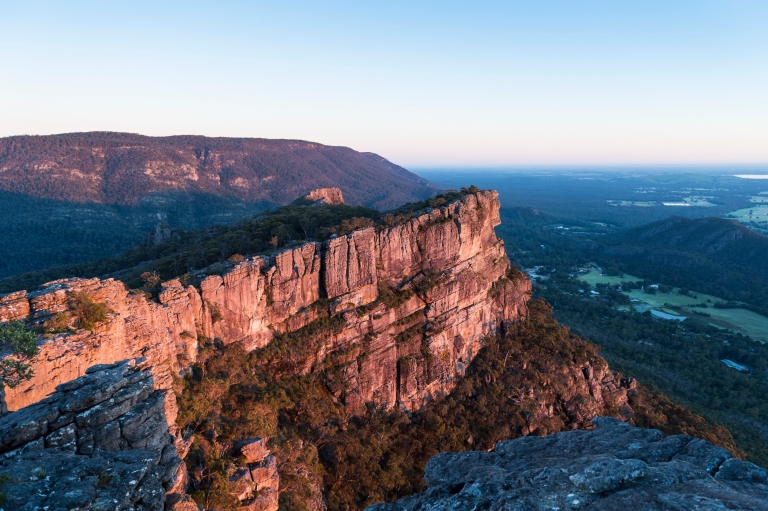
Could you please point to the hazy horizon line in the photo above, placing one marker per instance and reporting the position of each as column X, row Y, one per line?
column 589, row 166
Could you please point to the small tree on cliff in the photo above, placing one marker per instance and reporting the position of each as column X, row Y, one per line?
column 16, row 338
column 89, row 313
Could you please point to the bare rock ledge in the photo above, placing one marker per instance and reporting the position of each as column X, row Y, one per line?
column 616, row 467
column 106, row 440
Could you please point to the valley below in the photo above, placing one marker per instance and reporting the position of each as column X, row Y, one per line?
column 681, row 304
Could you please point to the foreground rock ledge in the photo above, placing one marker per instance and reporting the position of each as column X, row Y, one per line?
column 614, row 467
column 105, row 441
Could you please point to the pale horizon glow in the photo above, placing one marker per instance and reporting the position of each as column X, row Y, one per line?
column 424, row 84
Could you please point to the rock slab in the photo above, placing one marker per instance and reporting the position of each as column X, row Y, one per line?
column 103, row 441
column 614, row 467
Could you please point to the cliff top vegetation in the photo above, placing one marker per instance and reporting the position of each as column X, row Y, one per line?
column 185, row 252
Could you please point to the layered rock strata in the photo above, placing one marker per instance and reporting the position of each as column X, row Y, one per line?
column 614, row 467
column 106, row 440
column 445, row 268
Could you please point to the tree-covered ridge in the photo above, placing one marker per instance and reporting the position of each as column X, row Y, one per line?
column 712, row 255
column 188, row 251
column 123, row 168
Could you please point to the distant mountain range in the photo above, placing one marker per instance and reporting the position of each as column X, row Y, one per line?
column 66, row 199
column 123, row 168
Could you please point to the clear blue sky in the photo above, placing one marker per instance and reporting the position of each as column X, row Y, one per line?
column 421, row 83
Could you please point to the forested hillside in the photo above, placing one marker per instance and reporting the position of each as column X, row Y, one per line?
column 66, row 199
column 681, row 359
column 712, row 255
column 123, row 168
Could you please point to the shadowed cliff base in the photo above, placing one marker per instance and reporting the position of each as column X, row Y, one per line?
column 535, row 379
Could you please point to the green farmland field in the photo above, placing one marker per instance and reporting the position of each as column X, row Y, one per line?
column 759, row 214
column 739, row 320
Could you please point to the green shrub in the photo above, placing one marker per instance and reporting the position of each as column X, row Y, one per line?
column 427, row 281
column 88, row 313
column 409, row 334
column 435, row 221
column 354, row 224
column 216, row 315
column 21, row 341
column 393, row 297
column 57, row 324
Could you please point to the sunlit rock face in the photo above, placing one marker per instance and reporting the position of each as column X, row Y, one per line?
column 448, row 265
column 326, row 196
column 613, row 468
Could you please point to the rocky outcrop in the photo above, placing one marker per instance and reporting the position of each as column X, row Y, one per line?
column 106, row 440
column 256, row 482
column 411, row 305
column 135, row 328
column 163, row 232
column 326, row 196
column 14, row 306
column 615, row 467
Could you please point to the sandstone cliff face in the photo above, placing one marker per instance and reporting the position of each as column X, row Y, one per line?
column 135, row 328
column 450, row 269
column 106, row 440
column 615, row 467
